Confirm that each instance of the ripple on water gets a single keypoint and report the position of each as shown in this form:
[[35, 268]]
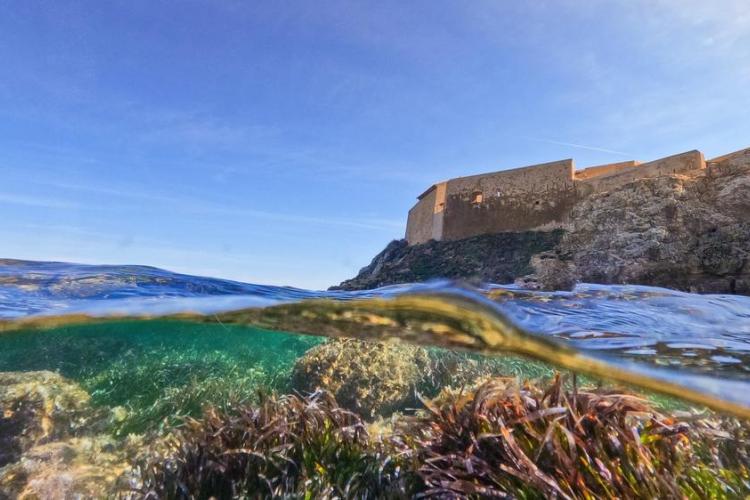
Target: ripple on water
[[698, 333]]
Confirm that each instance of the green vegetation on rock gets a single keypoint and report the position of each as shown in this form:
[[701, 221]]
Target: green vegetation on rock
[[157, 372]]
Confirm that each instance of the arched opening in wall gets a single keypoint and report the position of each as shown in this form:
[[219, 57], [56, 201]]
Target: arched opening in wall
[[477, 198]]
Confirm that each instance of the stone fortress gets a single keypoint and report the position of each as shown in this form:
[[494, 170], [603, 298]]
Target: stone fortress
[[535, 198]]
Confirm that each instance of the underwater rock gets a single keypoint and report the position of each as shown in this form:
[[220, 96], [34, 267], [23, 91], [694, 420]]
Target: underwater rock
[[368, 378], [82, 468], [38, 407]]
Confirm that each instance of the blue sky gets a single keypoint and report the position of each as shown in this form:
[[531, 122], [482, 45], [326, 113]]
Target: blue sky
[[283, 142]]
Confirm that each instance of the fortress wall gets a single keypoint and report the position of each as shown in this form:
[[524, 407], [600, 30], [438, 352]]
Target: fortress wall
[[438, 212], [513, 181], [728, 162], [419, 223], [539, 196], [425, 220], [676, 164], [605, 170]]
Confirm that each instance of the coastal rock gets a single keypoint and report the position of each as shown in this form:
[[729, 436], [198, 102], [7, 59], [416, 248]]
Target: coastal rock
[[686, 232], [495, 258], [551, 272], [38, 407], [368, 378]]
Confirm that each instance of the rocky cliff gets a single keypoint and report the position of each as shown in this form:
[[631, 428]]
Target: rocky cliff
[[491, 258], [682, 231], [685, 231]]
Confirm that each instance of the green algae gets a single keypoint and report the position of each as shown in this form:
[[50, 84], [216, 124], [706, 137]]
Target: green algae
[[157, 372]]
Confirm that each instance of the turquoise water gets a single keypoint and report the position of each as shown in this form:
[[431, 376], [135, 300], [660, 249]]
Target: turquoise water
[[149, 349]]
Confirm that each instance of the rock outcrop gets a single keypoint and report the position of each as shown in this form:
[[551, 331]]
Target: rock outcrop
[[85, 467], [490, 258], [688, 231], [681, 231], [36, 408], [52, 441], [368, 378]]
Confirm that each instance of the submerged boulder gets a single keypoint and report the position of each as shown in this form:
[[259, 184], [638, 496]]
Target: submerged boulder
[[62, 469], [38, 407], [369, 378], [86, 467]]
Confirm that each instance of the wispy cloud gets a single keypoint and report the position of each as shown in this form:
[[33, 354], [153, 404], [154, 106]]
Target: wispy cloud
[[363, 223], [36, 201], [189, 205], [194, 129], [578, 146]]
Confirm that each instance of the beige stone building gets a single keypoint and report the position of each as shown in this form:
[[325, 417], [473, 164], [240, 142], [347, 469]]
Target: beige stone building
[[537, 197]]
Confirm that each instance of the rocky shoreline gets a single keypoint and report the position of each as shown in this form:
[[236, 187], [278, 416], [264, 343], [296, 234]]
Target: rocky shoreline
[[495, 258], [688, 232]]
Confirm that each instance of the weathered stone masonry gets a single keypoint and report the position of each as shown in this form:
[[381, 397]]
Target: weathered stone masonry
[[537, 197]]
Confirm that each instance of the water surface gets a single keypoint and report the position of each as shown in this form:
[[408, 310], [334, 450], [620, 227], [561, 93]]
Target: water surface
[[152, 348]]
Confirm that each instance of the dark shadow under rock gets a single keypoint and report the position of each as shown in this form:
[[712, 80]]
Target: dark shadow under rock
[[38, 407]]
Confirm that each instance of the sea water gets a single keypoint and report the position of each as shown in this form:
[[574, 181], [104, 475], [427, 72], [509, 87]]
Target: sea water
[[133, 356]]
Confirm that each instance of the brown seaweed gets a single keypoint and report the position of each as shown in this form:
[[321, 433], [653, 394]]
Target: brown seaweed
[[507, 440], [500, 440], [287, 446]]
